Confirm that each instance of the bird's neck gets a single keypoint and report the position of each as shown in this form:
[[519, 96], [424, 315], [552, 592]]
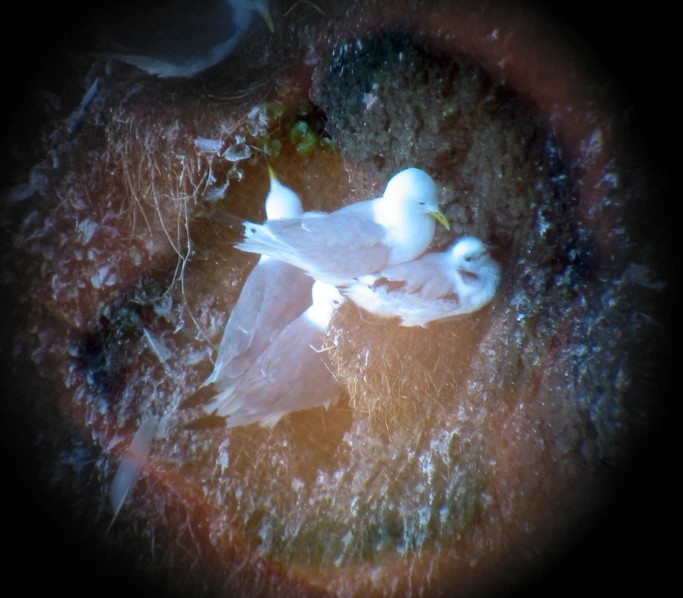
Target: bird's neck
[[319, 315], [408, 241], [484, 280]]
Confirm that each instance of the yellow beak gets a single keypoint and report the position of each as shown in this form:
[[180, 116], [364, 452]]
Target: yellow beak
[[440, 216], [267, 18]]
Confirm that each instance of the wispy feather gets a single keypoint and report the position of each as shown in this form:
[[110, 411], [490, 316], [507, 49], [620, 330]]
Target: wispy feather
[[129, 469]]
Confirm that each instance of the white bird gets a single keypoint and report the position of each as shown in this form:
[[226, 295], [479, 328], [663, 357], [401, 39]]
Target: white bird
[[180, 38], [290, 375], [359, 239], [436, 286], [274, 294]]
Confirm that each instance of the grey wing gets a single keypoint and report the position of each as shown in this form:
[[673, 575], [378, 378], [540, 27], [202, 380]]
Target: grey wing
[[208, 34], [344, 244], [427, 276], [417, 311], [289, 376], [274, 294]]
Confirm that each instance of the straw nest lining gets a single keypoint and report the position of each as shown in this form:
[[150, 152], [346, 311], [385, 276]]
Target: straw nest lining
[[400, 376]]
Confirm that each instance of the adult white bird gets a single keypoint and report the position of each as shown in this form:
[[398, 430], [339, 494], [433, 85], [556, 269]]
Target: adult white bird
[[436, 286], [274, 294], [180, 38], [359, 239], [290, 375]]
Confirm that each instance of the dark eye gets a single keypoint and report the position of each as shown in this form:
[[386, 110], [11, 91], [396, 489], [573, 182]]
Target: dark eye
[[468, 258], [422, 203]]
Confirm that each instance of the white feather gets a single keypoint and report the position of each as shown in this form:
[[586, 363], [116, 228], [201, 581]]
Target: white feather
[[129, 469]]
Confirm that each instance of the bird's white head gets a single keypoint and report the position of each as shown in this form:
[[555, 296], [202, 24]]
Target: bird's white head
[[281, 202], [414, 192], [476, 274], [326, 294], [326, 299], [469, 253]]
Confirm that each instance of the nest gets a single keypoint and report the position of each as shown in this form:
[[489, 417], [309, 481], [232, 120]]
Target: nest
[[401, 377]]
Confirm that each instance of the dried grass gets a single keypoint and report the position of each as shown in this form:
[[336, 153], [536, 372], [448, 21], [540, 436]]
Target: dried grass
[[400, 377]]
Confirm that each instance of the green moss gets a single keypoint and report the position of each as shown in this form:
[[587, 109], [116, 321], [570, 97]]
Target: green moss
[[308, 144], [329, 146], [273, 111], [271, 122], [271, 148], [298, 131]]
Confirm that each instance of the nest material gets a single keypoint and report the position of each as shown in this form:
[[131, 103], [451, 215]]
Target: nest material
[[401, 377]]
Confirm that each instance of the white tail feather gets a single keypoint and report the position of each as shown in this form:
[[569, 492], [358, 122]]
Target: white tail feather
[[129, 469]]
